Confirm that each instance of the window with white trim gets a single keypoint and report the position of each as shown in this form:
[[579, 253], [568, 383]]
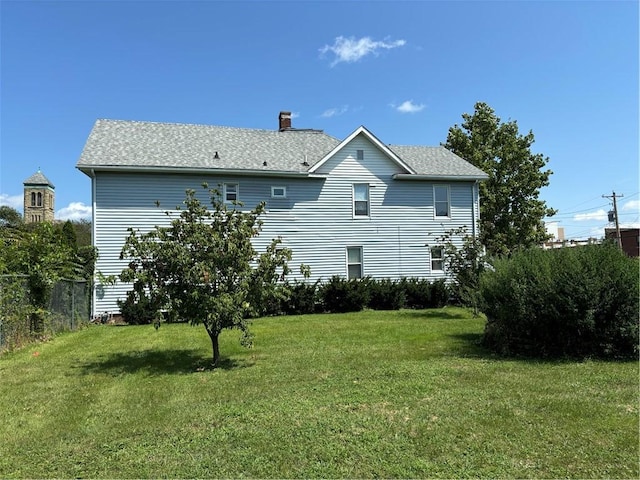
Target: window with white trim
[[354, 262], [231, 192], [278, 192], [361, 200], [359, 154], [437, 258], [441, 200]]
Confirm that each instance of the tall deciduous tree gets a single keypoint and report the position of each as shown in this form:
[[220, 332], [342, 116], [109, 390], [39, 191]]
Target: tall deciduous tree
[[203, 266], [511, 213]]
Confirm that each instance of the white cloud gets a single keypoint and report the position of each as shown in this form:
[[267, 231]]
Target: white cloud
[[13, 201], [334, 112], [598, 215], [633, 205], [74, 211], [409, 107], [352, 49]]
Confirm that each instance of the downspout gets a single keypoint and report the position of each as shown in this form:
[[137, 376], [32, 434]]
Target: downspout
[[475, 197], [93, 238]]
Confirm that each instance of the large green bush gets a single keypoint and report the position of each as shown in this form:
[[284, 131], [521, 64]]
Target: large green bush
[[340, 295], [576, 302]]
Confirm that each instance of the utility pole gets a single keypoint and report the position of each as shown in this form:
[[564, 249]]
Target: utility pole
[[615, 213]]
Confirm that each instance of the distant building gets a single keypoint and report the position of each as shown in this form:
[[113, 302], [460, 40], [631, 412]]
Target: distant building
[[630, 239], [39, 198], [553, 228]]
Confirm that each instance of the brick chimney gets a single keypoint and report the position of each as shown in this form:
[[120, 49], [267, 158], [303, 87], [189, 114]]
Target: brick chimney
[[284, 121]]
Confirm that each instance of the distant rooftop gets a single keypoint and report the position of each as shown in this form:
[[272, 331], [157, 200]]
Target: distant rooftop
[[38, 178]]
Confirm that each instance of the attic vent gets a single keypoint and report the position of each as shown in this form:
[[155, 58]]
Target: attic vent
[[264, 164], [216, 156]]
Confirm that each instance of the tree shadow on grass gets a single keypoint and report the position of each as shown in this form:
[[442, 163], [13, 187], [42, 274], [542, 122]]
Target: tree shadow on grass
[[157, 362]]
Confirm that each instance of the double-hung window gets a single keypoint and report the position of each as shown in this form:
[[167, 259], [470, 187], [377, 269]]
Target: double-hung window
[[441, 201], [231, 192], [354, 262], [437, 258], [360, 200]]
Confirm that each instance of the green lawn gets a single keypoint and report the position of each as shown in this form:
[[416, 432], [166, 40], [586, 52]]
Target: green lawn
[[372, 394]]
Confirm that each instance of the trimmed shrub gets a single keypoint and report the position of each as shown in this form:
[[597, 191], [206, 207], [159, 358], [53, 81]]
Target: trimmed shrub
[[303, 298], [440, 294], [340, 295], [137, 308], [573, 302], [417, 292], [386, 294]]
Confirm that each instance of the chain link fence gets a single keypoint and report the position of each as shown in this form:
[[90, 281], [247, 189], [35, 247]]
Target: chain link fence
[[21, 322]]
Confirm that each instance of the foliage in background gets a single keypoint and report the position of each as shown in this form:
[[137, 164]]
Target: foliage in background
[[511, 213], [203, 267], [577, 302]]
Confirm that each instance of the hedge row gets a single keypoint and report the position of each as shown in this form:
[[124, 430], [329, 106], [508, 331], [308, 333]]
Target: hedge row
[[576, 302], [339, 295], [336, 295]]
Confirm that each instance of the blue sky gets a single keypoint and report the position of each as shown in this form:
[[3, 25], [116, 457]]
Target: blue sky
[[568, 71]]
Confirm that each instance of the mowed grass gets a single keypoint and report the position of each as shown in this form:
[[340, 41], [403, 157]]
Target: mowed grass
[[371, 394]]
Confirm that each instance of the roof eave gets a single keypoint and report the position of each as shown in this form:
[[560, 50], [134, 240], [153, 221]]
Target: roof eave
[[89, 169], [436, 177]]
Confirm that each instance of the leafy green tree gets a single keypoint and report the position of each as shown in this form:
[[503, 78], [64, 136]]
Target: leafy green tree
[[511, 214], [465, 261], [9, 216], [41, 253], [204, 268]]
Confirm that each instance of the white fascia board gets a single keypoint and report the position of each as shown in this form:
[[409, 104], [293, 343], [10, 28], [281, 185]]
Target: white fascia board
[[89, 170], [372, 138], [460, 178]]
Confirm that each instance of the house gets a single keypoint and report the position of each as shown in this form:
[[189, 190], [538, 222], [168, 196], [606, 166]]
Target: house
[[353, 207]]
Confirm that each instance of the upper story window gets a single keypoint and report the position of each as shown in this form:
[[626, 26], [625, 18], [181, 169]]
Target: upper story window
[[359, 154], [441, 200], [437, 258], [231, 192], [278, 192], [361, 200], [39, 201], [354, 262], [33, 199]]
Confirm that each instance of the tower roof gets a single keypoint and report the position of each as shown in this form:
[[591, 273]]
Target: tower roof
[[38, 178]]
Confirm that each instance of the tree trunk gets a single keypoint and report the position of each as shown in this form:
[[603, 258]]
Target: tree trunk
[[216, 348]]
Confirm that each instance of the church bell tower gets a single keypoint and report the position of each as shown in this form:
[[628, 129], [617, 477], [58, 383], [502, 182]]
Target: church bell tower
[[39, 197]]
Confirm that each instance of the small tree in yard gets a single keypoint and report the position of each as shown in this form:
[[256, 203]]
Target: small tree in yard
[[465, 262], [204, 268]]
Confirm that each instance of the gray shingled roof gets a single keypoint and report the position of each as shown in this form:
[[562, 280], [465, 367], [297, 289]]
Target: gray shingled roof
[[436, 161], [38, 178], [146, 144], [118, 143]]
